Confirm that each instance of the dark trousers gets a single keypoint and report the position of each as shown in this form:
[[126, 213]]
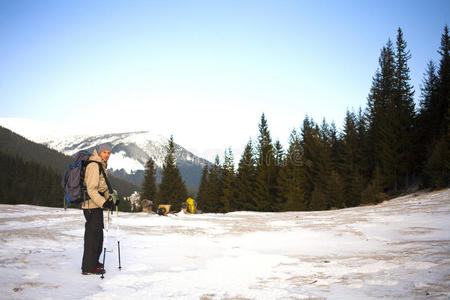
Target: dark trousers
[[93, 238]]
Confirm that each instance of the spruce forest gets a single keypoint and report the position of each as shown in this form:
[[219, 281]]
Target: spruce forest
[[28, 182], [390, 147]]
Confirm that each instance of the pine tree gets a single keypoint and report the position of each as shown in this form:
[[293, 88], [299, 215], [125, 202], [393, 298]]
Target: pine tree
[[380, 113], [437, 167], [265, 192], [291, 176], [391, 116], [351, 173], [328, 179], [228, 198], [428, 123], [405, 110], [310, 146], [172, 189], [278, 154], [279, 162], [246, 179], [336, 148], [201, 195], [429, 103], [364, 159], [444, 82], [148, 190], [316, 144], [213, 189]]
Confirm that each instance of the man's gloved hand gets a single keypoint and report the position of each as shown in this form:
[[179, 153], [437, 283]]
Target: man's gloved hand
[[109, 204]]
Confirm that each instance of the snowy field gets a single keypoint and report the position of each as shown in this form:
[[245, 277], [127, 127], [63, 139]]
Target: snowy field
[[398, 249]]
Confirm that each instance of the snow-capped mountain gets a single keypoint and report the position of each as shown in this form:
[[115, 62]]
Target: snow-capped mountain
[[130, 153]]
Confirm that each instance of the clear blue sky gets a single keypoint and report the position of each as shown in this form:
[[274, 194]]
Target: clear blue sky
[[203, 71]]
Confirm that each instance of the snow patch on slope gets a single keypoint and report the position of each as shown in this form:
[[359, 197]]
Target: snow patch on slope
[[119, 161]]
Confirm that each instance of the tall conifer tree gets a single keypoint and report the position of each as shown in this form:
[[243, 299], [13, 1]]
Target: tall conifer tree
[[172, 189], [228, 198], [351, 171], [444, 82], [279, 163], [148, 190], [291, 176], [213, 190], [427, 123], [364, 159], [404, 108], [246, 179], [328, 180], [201, 195], [265, 191], [437, 167], [310, 147], [380, 111]]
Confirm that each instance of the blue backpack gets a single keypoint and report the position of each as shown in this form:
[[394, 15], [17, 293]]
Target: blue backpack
[[75, 191]]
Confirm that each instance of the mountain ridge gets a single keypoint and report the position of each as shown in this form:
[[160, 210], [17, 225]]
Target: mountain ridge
[[131, 149], [17, 145]]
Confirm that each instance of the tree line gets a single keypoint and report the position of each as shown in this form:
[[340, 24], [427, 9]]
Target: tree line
[[27, 182], [380, 152], [26, 154]]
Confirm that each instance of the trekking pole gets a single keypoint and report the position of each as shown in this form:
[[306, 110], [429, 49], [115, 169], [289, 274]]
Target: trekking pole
[[118, 236], [104, 254], [105, 243]]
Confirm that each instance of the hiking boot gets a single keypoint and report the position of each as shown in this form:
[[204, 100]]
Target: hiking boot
[[96, 271]]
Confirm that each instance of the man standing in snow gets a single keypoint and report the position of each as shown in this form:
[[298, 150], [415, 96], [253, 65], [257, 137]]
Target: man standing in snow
[[99, 198]]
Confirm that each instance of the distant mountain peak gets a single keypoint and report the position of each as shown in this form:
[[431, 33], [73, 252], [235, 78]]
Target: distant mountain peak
[[130, 153]]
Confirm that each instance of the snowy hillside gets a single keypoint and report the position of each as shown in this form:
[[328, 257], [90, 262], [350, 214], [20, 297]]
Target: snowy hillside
[[130, 153], [398, 249], [131, 150]]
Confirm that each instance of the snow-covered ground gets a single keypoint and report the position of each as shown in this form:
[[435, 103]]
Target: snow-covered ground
[[398, 249]]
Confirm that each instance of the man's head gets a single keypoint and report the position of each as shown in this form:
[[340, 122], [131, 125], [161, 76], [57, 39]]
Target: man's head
[[104, 150]]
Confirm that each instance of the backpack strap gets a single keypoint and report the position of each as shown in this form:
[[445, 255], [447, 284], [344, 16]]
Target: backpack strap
[[102, 171], [110, 189]]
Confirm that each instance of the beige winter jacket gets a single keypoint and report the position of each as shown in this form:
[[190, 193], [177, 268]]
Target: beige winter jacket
[[95, 183]]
